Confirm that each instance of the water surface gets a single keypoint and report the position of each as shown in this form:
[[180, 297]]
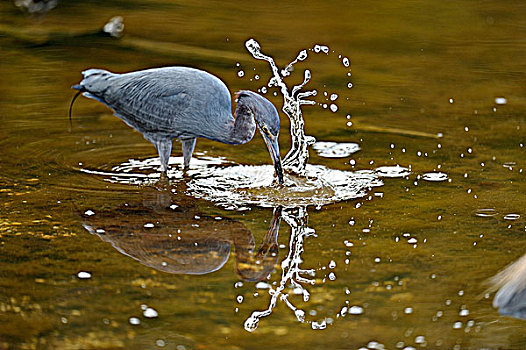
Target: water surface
[[434, 118]]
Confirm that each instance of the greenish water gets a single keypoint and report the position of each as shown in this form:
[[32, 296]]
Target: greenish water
[[420, 254]]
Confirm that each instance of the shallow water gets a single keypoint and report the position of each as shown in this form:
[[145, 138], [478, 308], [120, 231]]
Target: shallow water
[[433, 125]]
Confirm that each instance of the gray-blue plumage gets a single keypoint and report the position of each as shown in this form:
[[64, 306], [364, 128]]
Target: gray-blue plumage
[[184, 103]]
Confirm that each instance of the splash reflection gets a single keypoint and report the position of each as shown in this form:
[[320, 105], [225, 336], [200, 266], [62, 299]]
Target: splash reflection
[[292, 273], [295, 278]]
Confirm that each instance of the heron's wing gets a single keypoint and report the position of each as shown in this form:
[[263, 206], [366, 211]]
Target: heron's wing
[[167, 102], [150, 105]]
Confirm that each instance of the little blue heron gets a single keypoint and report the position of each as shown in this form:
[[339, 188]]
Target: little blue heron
[[183, 103]]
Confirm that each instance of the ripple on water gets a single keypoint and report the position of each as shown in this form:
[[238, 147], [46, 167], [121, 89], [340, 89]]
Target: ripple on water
[[511, 217], [435, 176], [486, 212], [392, 171], [146, 171], [335, 149]]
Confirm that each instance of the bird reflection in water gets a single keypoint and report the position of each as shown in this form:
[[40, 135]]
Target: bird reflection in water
[[510, 299], [169, 233]]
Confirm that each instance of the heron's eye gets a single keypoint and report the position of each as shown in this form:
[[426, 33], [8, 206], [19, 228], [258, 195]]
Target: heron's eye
[[265, 129]]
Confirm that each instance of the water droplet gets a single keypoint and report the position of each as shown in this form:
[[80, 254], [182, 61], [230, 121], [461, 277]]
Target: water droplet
[[239, 299], [84, 275], [240, 73], [343, 311], [302, 55], [298, 291], [134, 321], [319, 325], [375, 345], [149, 225], [89, 212], [457, 325], [332, 264], [334, 108], [262, 285], [464, 312], [334, 97], [150, 313], [300, 315], [349, 85], [346, 62], [355, 310], [252, 322], [408, 310], [451, 100], [420, 339], [501, 100]]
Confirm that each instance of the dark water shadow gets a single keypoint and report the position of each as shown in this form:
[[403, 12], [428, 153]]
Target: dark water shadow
[[165, 230]]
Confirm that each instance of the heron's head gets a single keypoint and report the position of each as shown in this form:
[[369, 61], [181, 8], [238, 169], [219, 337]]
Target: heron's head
[[267, 120]]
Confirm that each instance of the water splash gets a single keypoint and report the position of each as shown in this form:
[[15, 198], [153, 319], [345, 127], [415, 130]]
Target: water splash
[[297, 158], [233, 187]]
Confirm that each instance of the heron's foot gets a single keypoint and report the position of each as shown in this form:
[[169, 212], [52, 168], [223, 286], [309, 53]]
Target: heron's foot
[[164, 182], [277, 182], [186, 176]]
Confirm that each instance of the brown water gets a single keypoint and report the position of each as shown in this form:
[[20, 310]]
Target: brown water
[[408, 260]]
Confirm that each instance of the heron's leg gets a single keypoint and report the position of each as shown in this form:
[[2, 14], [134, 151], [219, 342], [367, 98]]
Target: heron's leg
[[188, 149], [164, 148]]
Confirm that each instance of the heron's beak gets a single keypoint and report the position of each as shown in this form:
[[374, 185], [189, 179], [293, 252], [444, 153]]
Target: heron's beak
[[273, 149]]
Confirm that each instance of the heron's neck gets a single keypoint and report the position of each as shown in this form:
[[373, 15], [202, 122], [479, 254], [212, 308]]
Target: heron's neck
[[243, 128]]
